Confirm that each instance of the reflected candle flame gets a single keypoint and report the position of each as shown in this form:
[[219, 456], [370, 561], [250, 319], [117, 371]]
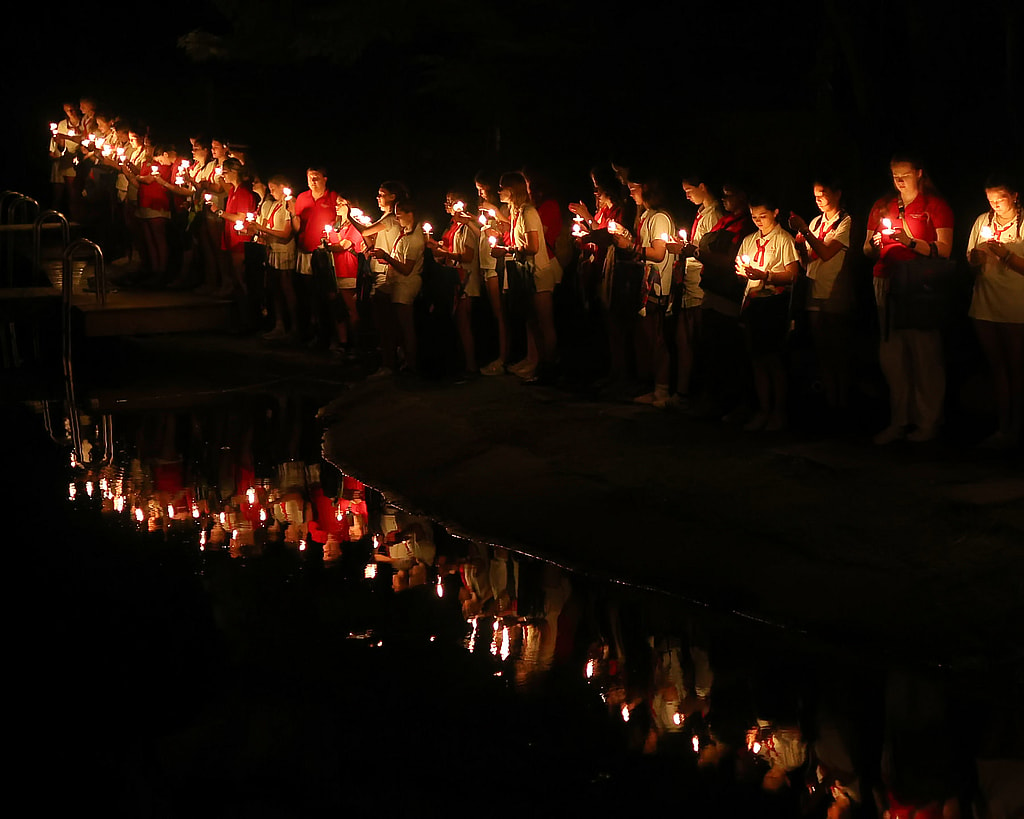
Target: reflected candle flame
[[195, 510], [506, 647], [370, 571], [88, 488], [72, 491], [440, 587], [170, 511], [591, 668], [756, 747], [263, 515], [677, 719], [625, 713], [696, 745], [139, 515], [250, 493]]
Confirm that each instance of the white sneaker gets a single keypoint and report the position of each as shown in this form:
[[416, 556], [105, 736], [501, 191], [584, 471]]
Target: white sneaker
[[890, 434]]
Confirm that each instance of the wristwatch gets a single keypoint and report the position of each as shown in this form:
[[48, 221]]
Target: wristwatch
[[912, 245]]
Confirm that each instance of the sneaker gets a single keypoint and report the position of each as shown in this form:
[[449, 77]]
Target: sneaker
[[527, 373], [383, 372], [922, 435], [890, 434], [999, 441], [757, 423], [496, 367], [277, 334]]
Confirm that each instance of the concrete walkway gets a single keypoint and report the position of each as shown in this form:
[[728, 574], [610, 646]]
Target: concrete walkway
[[915, 549]]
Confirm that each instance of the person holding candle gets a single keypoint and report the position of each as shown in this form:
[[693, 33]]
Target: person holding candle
[[649, 244], [384, 233], [526, 245], [273, 228], [825, 243], [63, 153], [345, 242], [315, 208], [404, 261], [204, 251], [769, 262], [996, 251], [459, 247], [154, 211], [911, 359], [491, 269], [686, 273], [593, 244], [240, 202]]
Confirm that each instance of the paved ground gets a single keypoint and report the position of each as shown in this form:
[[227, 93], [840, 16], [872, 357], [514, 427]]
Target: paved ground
[[914, 548]]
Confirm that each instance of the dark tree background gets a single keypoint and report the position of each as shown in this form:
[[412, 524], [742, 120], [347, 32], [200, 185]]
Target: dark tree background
[[432, 91]]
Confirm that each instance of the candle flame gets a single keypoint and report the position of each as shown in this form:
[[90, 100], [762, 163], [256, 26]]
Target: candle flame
[[302, 545], [119, 503], [987, 233], [482, 219], [664, 237], [208, 197], [505, 644], [250, 493], [250, 217], [458, 207], [239, 225], [613, 227], [492, 240], [745, 259], [223, 518], [682, 234], [427, 227]]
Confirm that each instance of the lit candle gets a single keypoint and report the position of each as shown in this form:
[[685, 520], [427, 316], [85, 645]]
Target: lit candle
[[664, 237], [887, 227], [154, 169], [613, 227], [987, 234], [677, 719], [440, 587], [482, 219], [88, 488], [328, 229], [250, 493], [589, 673], [287, 194], [179, 180], [458, 207], [250, 217], [625, 713], [239, 225], [578, 218], [744, 260], [195, 511], [139, 515], [756, 747], [107, 151], [492, 240], [208, 197], [370, 571], [682, 235], [427, 227], [120, 153], [218, 171], [184, 164], [53, 127], [263, 515]]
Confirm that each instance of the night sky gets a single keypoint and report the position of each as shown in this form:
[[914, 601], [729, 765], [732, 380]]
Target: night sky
[[432, 92]]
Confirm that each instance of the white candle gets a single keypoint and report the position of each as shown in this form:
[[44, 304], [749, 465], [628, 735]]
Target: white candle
[[179, 180], [482, 219], [154, 169], [328, 229], [458, 207], [744, 260], [239, 225], [250, 217], [53, 127], [613, 227], [184, 164], [492, 240], [682, 235], [218, 171], [427, 227], [887, 227], [287, 194], [664, 237], [987, 234], [207, 197]]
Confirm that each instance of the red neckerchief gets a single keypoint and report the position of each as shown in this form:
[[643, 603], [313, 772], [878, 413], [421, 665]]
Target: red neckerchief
[[693, 227], [394, 247], [998, 231], [824, 231], [762, 250], [269, 221], [448, 239]]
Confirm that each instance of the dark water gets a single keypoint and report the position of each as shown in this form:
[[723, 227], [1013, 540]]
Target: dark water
[[214, 620]]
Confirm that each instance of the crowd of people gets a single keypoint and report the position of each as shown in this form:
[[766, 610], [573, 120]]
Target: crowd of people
[[701, 313]]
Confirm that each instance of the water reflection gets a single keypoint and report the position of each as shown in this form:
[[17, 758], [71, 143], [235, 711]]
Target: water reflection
[[638, 696]]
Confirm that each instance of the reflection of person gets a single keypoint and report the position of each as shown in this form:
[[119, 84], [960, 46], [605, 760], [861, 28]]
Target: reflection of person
[[922, 227], [996, 250]]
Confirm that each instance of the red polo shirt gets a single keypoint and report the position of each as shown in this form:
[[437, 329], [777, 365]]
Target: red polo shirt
[[313, 215], [922, 218]]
